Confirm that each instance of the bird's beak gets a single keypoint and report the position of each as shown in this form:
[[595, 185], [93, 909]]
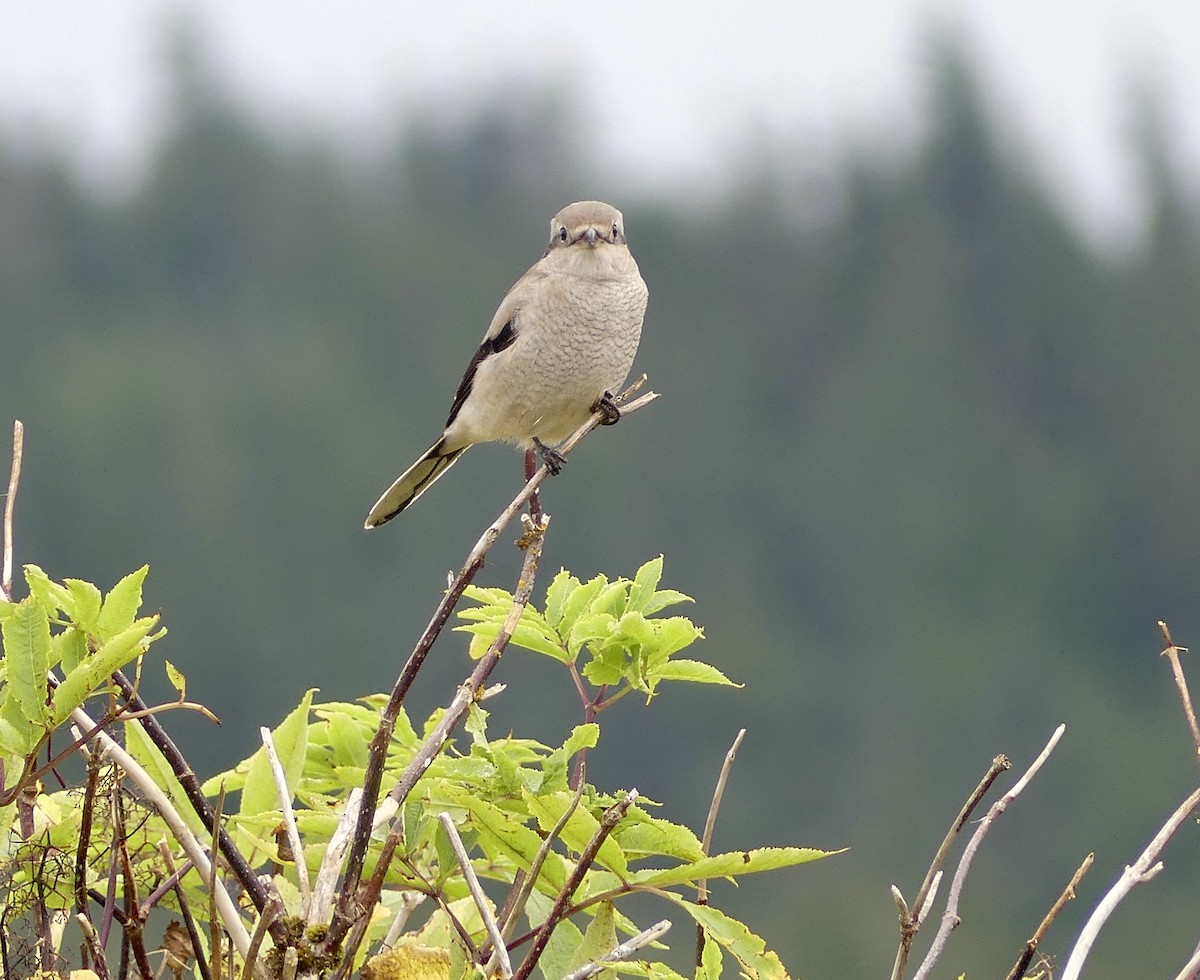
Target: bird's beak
[[590, 235]]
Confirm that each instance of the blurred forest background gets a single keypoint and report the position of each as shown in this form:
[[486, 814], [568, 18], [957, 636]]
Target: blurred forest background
[[926, 457]]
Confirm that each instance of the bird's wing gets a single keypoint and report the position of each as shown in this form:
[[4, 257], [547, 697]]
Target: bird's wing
[[500, 335]]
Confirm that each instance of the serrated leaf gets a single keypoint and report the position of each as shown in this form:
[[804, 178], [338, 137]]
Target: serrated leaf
[[730, 865], [26, 634], [675, 633], [556, 595], [666, 597], [710, 962], [85, 599], [643, 836], [121, 604], [644, 583], [67, 649], [580, 827], [694, 671], [78, 685], [578, 602], [49, 594], [611, 599], [757, 962], [291, 745]]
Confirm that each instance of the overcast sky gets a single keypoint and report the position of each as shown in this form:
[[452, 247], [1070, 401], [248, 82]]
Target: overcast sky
[[668, 89]]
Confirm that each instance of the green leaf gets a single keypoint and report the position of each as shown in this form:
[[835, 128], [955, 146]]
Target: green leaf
[[675, 633], [643, 836], [581, 826], [730, 865], [26, 634], [85, 600], [555, 961], [121, 604], [666, 597], [291, 745], [177, 679], [68, 649], [556, 595], [578, 602], [757, 962], [710, 962], [79, 684], [644, 583], [690, 670], [47, 592], [599, 939]]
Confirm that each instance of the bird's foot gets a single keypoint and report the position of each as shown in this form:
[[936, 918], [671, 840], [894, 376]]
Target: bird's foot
[[551, 458], [608, 409]]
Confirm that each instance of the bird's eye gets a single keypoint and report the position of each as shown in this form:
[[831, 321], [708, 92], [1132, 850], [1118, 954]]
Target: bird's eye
[[562, 234], [616, 230]]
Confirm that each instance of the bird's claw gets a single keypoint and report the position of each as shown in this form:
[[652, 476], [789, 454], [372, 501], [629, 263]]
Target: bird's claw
[[608, 409], [552, 459]]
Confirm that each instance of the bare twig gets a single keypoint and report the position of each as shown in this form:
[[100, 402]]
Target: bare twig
[[1172, 653], [408, 901], [1143, 869], [612, 816], [910, 924], [10, 502], [257, 891], [228, 912], [464, 697], [622, 952], [185, 910], [950, 918], [250, 964], [1191, 969], [706, 842], [289, 817], [481, 900], [1031, 945], [346, 912]]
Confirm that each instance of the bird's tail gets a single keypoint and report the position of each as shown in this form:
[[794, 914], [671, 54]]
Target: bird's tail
[[413, 482]]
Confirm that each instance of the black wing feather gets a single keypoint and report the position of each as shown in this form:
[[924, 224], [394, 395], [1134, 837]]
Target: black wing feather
[[493, 345]]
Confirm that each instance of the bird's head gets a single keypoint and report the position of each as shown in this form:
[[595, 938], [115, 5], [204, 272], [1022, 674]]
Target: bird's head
[[586, 225]]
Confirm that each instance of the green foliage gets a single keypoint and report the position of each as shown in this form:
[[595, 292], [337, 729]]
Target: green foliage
[[93, 637], [606, 623]]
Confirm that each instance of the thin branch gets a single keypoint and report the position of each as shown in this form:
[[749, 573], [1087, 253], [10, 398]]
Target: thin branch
[[10, 502], [706, 842], [185, 910], [347, 912], [289, 817], [910, 924], [622, 952], [1191, 969], [1031, 945], [1172, 653], [464, 697], [950, 918], [481, 900], [254, 887], [612, 816], [86, 814], [408, 902], [260, 933], [229, 917], [1143, 869]]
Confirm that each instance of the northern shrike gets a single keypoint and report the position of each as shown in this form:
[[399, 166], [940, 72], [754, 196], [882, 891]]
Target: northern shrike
[[561, 342]]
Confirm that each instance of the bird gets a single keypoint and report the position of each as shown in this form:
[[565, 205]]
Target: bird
[[561, 342]]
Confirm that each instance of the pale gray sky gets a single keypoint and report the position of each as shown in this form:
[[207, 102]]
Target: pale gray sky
[[668, 88]]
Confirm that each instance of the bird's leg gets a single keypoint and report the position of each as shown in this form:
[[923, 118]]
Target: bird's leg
[[551, 457], [535, 502], [608, 408]]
